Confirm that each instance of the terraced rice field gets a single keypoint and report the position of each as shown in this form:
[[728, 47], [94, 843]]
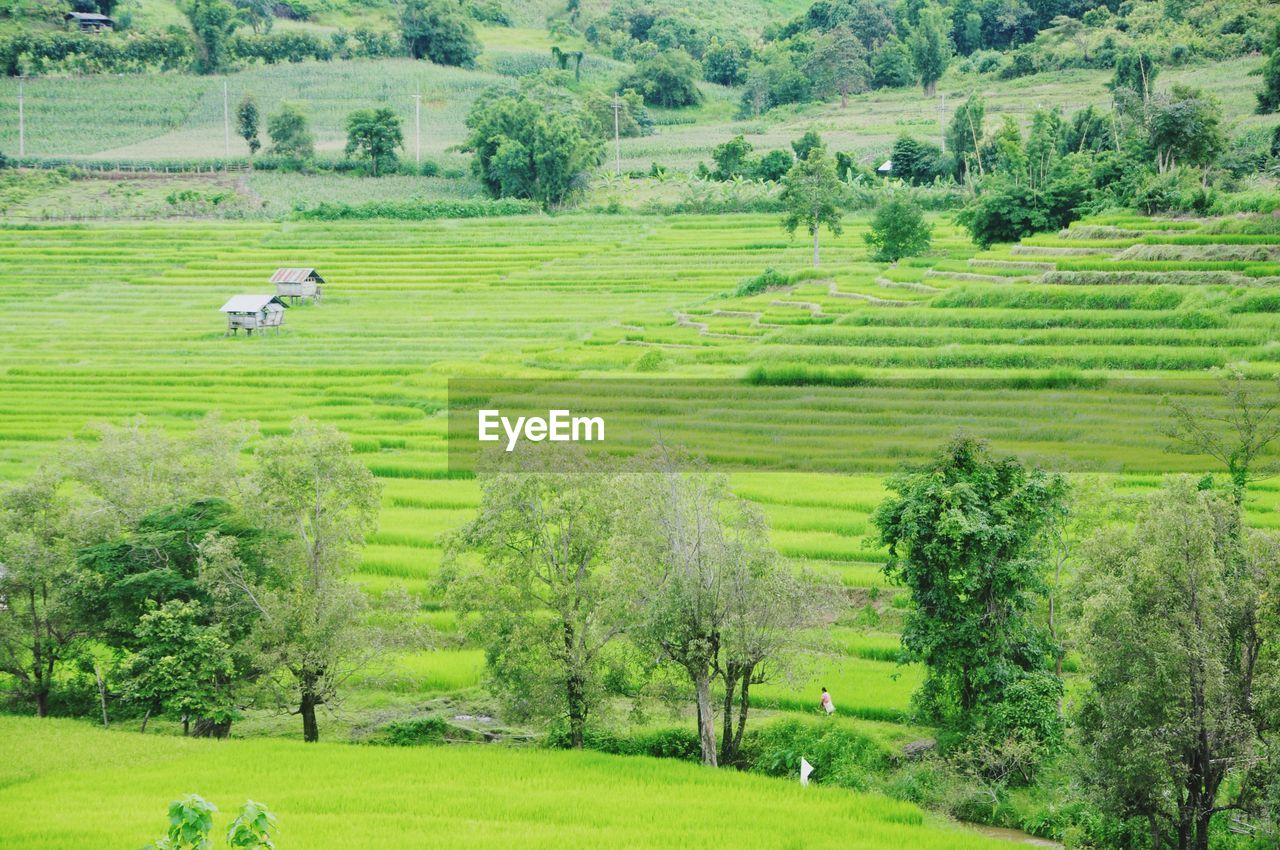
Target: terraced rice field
[[1058, 349]]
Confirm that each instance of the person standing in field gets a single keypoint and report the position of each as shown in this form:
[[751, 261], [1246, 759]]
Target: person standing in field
[[827, 705]]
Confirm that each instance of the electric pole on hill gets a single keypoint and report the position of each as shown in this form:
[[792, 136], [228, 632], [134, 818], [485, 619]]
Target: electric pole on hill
[[417, 128], [226, 122], [617, 149], [22, 121], [942, 122]]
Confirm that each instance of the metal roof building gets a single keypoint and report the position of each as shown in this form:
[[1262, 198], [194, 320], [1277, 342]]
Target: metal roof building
[[253, 312], [297, 283]]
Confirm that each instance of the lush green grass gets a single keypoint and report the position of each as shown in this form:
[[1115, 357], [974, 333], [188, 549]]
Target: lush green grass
[[64, 785]]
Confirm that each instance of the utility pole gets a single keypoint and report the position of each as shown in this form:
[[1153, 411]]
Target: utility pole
[[617, 148], [22, 121], [942, 121], [226, 121], [417, 127]]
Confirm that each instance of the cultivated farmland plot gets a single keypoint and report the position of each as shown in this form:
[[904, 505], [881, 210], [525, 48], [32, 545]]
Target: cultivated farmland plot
[[1058, 349]]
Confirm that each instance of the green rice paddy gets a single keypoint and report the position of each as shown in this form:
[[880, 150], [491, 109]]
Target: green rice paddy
[[1059, 349]]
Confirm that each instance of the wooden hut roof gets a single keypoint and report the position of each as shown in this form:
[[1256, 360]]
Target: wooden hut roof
[[250, 303], [295, 276], [87, 17]]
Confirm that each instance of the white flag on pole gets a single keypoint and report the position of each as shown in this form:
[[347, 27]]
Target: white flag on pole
[[805, 770]]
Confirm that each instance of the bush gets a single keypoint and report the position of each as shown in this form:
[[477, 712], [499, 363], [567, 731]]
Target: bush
[[917, 162], [668, 79], [774, 165], [1178, 190], [676, 743], [768, 279], [731, 158], [898, 230], [414, 733], [272, 48], [839, 755]]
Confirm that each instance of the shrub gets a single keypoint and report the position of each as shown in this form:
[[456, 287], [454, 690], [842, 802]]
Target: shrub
[[839, 755], [917, 162], [768, 279], [898, 230], [731, 158], [676, 743], [414, 733], [774, 165], [1004, 212], [1176, 191]]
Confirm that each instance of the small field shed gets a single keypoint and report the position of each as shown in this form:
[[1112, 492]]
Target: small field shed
[[253, 313], [90, 21], [298, 283]]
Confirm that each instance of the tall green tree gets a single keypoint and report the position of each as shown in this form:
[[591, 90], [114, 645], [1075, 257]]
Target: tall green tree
[[181, 664], [1269, 94], [1168, 613], [213, 22], [439, 31], [374, 135], [811, 195], [539, 592], [838, 65], [39, 631], [931, 47], [1236, 429], [668, 79], [527, 147], [164, 558], [964, 537], [684, 548], [1185, 128], [247, 120], [1136, 72], [965, 136], [322, 503], [290, 133], [898, 230]]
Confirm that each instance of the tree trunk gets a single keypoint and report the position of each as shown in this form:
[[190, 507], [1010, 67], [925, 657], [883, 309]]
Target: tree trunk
[[727, 755], [744, 704], [577, 710], [931, 88], [145, 718], [844, 98], [310, 729], [102, 693], [42, 700], [815, 243], [706, 716], [308, 683]]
